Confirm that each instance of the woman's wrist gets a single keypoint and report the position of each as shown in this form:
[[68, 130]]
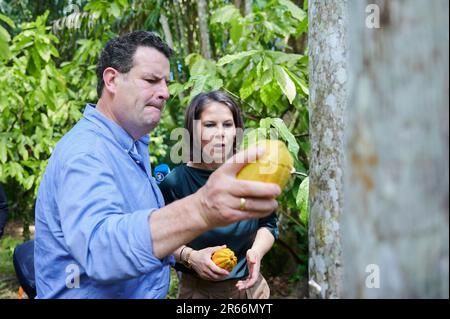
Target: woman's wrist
[[185, 256]]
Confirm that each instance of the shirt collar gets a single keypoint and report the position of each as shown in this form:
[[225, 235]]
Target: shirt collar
[[119, 134]]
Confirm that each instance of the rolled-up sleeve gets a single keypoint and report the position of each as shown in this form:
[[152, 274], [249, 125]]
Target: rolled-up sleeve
[[108, 241], [271, 223]]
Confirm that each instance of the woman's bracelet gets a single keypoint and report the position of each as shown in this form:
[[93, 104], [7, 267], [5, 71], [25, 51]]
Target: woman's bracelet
[[187, 262], [181, 253]]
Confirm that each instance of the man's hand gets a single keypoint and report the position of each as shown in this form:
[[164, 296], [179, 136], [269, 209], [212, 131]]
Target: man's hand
[[215, 204], [220, 199]]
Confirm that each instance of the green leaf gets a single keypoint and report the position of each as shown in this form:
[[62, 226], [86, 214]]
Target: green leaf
[[267, 64], [237, 67], [5, 53], [16, 171], [199, 86], [296, 12], [285, 83], [281, 57], [236, 30], [247, 89], [225, 14], [4, 35], [201, 66], [3, 148], [54, 51], [269, 94], [123, 3], [44, 120], [283, 130], [7, 20], [28, 182], [265, 123], [176, 88], [22, 151], [232, 57], [22, 43], [303, 26], [300, 82], [43, 51], [214, 84], [115, 10], [191, 58], [267, 77], [302, 201]]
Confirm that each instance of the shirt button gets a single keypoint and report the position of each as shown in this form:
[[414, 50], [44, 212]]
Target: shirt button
[[138, 162]]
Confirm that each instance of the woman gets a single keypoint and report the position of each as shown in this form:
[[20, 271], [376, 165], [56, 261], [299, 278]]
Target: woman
[[213, 120]]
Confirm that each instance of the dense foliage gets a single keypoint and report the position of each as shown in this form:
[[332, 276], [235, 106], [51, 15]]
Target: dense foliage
[[47, 74]]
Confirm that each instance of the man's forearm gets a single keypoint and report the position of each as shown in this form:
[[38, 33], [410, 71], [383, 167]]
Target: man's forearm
[[175, 225]]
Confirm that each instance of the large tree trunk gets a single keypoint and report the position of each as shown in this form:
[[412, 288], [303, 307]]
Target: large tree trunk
[[204, 32], [395, 224], [328, 98]]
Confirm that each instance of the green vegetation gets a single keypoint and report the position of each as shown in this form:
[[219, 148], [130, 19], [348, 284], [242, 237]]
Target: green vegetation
[[47, 74]]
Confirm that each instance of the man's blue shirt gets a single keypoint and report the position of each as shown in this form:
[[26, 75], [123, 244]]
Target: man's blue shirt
[[92, 233]]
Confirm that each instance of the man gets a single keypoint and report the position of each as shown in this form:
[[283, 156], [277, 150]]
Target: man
[[102, 230]]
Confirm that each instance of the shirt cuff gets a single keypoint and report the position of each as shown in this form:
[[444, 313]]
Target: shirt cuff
[[142, 243]]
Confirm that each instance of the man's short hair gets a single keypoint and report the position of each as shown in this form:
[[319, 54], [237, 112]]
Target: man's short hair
[[118, 53]]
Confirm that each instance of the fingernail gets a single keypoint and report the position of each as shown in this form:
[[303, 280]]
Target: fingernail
[[277, 190]]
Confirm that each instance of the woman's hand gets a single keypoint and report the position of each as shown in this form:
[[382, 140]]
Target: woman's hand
[[254, 264], [204, 266]]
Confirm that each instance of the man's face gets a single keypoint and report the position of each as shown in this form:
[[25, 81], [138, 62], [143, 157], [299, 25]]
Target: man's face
[[141, 93]]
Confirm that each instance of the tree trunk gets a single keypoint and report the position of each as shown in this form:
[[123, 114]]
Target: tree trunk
[[395, 226], [192, 26], [181, 27], [328, 98], [166, 29], [248, 7], [204, 33], [238, 4]]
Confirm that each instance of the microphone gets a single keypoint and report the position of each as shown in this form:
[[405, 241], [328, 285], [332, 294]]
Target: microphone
[[160, 172]]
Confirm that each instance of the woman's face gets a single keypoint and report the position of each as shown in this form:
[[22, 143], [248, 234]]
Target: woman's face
[[217, 132]]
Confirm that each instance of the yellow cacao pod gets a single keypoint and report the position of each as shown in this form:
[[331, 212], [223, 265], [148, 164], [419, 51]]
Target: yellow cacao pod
[[225, 259], [274, 166]]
